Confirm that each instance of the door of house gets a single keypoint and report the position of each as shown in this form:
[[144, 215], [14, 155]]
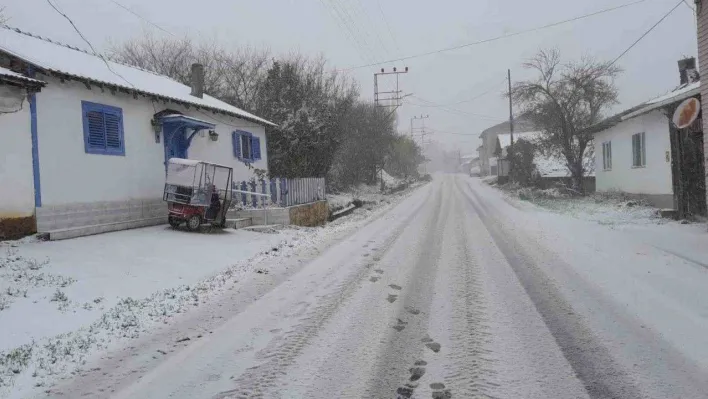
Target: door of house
[[176, 142]]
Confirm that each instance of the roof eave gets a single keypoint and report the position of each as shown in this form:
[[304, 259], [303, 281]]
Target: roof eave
[[26, 82], [661, 104]]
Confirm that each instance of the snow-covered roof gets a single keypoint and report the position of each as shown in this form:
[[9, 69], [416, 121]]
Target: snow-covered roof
[[680, 94], [550, 166], [70, 61], [14, 76], [505, 138]]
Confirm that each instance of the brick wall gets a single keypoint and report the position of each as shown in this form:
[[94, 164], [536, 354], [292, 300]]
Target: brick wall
[[702, 9]]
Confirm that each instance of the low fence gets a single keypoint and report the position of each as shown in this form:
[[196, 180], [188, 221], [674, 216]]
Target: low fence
[[280, 191]]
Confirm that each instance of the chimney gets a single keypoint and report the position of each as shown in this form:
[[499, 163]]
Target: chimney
[[198, 80], [687, 70]]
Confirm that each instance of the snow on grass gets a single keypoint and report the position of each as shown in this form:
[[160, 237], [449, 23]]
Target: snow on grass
[[123, 284], [62, 300], [602, 208]]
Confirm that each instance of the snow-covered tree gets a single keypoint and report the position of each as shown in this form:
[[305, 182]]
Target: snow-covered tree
[[563, 102]]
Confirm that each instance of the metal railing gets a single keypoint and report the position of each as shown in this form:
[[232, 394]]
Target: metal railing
[[282, 192], [265, 211]]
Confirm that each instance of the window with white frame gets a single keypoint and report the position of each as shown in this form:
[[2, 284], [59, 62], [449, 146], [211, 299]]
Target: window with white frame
[[639, 152], [607, 155]]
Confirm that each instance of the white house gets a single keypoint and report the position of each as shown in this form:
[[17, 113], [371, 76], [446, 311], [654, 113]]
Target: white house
[[640, 152], [16, 188], [101, 133]]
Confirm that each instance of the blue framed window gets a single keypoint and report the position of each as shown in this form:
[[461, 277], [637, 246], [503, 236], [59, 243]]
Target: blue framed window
[[246, 146], [103, 129]]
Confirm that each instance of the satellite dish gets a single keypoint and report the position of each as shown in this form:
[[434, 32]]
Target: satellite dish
[[686, 113]]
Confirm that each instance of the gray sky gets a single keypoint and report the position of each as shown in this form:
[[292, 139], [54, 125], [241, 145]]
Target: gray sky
[[326, 27]]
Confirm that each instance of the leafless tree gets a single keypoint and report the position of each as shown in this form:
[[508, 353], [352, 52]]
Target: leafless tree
[[3, 18], [564, 101]]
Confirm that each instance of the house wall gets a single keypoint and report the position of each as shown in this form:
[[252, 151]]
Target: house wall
[[16, 180], [652, 181], [702, 23], [80, 187]]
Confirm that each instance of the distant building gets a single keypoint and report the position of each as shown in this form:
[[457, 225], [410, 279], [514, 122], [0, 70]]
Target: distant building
[[487, 159], [640, 151], [100, 134]]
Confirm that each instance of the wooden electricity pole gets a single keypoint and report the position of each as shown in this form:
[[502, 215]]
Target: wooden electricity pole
[[511, 125]]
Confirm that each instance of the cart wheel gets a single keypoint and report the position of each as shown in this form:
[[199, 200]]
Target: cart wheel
[[174, 222], [194, 222]]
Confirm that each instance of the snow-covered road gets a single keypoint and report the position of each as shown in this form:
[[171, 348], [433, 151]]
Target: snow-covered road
[[453, 293]]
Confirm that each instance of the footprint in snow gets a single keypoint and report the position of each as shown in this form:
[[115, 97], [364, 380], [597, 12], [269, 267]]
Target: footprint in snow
[[392, 298], [412, 310], [401, 325], [395, 287]]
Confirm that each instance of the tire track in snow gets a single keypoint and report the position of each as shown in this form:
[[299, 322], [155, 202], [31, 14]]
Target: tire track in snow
[[590, 360], [469, 372], [263, 379]]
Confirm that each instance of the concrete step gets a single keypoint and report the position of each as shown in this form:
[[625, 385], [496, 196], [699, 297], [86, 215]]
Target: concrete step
[[239, 223], [81, 231]]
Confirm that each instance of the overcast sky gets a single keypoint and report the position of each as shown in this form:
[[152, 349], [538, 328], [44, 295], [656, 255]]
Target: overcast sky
[[354, 32]]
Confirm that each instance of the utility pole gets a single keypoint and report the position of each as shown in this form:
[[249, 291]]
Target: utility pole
[[395, 95], [511, 123], [422, 118]]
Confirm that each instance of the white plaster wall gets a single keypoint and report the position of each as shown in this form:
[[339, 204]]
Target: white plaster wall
[[655, 177], [16, 180], [221, 151], [69, 175]]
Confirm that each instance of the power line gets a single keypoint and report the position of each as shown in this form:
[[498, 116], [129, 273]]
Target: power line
[[645, 33], [96, 53], [455, 110], [689, 6], [374, 29], [505, 36], [388, 26], [467, 100], [141, 17]]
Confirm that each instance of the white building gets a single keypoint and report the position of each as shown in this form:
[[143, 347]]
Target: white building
[[16, 187], [102, 132], [640, 152]]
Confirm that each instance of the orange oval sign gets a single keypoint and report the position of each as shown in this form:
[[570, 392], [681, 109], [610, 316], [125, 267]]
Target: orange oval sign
[[686, 113]]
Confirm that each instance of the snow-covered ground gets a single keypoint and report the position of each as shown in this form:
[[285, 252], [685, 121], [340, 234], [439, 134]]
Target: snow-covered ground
[[90, 295], [455, 291]]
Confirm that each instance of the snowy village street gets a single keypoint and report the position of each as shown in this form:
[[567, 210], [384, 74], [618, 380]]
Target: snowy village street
[[454, 292]]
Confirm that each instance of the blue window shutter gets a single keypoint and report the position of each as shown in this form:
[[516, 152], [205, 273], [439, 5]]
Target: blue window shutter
[[256, 145], [103, 129], [95, 130], [114, 134], [236, 143]]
